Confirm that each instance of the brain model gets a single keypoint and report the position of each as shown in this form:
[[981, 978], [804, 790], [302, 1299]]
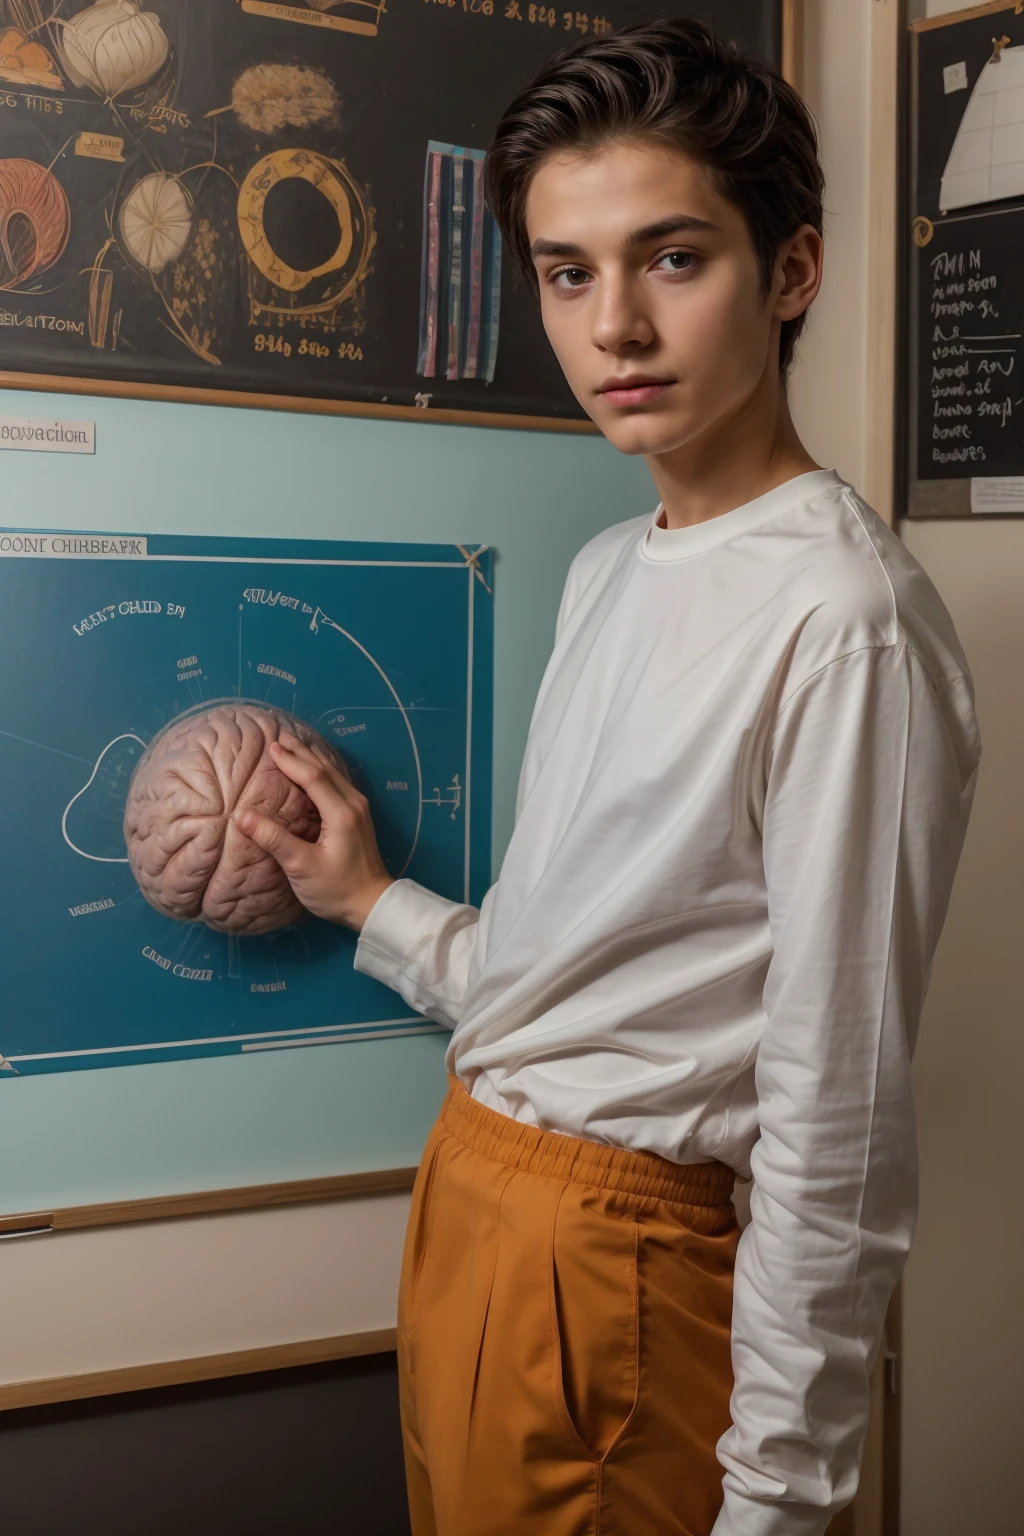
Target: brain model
[[189, 858]]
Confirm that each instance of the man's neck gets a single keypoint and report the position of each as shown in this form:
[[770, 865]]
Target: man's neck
[[733, 463]]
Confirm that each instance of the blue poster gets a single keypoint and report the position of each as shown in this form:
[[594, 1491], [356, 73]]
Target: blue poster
[[385, 650]]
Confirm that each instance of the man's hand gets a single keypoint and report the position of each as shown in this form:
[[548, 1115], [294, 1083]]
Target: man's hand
[[341, 875]]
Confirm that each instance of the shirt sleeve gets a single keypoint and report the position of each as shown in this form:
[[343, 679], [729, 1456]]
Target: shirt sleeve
[[422, 945], [868, 791]]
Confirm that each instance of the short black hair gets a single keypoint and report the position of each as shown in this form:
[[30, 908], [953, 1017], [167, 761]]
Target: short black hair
[[679, 83]]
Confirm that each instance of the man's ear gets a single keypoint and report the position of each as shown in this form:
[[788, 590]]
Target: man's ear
[[798, 271]]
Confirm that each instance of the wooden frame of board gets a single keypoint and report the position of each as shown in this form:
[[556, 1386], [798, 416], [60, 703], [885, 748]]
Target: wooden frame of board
[[969, 13], [207, 1202], [182, 1373], [792, 42]]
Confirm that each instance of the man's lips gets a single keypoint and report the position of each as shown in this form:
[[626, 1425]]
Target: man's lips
[[634, 389]]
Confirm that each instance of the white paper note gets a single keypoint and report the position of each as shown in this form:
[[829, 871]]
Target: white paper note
[[998, 493], [41, 434], [986, 162], [954, 77]]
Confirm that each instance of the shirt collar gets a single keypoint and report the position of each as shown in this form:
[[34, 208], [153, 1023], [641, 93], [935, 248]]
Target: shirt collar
[[682, 543]]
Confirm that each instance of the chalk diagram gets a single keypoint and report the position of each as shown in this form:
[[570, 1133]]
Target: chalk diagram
[[384, 649], [986, 163], [191, 201]]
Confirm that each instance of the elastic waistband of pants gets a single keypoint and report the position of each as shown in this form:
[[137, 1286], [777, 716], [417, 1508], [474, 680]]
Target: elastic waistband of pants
[[578, 1161]]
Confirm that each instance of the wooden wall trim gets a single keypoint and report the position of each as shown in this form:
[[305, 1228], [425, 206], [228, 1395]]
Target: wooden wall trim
[[892, 1423], [301, 404], [793, 42], [929, 23], [887, 26], [174, 1373], [208, 1202]]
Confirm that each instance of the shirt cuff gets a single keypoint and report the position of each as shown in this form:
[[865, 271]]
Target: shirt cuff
[[402, 919], [740, 1516]]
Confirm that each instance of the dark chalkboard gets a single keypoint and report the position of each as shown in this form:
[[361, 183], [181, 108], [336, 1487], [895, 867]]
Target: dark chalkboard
[[235, 196], [966, 243]]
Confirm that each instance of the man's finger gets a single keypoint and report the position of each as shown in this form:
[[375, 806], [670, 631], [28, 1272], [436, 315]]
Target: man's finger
[[330, 759], [321, 781], [314, 752], [292, 743], [291, 852]]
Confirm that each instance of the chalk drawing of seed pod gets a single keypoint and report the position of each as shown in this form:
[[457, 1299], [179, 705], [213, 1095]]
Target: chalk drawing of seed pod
[[156, 221], [35, 220], [114, 46]]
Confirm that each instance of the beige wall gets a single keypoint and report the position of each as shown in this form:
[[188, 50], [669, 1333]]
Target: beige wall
[[828, 386], [964, 1339]]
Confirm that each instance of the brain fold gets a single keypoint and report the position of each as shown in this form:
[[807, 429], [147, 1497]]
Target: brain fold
[[189, 858]]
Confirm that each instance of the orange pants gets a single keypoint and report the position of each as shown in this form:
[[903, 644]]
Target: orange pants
[[563, 1334]]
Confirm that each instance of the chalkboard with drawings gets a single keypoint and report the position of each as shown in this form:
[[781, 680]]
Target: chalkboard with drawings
[[965, 238], [280, 199]]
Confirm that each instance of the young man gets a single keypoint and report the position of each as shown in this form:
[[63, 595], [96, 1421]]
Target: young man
[[744, 796]]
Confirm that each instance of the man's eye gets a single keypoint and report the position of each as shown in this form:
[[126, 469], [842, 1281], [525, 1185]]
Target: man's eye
[[677, 261], [571, 277]]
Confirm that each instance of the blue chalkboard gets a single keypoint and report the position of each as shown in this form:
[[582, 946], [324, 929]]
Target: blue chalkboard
[[386, 649]]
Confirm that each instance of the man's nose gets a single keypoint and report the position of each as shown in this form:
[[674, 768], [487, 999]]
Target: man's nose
[[620, 318]]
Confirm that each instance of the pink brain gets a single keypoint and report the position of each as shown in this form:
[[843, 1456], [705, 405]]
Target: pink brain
[[190, 860]]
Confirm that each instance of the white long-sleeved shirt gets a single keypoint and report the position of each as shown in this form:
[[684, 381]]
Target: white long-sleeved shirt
[[743, 799]]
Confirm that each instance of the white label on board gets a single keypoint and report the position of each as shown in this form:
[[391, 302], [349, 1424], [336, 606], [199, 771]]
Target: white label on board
[[954, 77], [73, 546], [998, 493], [41, 434]]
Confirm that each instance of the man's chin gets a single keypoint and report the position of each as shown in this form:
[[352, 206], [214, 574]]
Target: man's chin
[[644, 433]]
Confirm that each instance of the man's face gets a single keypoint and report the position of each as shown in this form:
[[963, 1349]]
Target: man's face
[[650, 293]]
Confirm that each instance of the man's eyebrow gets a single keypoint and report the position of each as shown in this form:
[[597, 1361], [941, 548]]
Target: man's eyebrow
[[555, 248], [674, 224]]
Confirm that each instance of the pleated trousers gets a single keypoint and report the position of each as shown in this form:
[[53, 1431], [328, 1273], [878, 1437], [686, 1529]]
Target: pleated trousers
[[563, 1334]]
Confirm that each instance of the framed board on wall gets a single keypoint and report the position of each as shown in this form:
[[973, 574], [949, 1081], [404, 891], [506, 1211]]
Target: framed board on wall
[[142, 638], [280, 202], [965, 351]]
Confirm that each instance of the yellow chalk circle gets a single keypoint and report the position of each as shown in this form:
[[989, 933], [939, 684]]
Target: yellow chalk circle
[[282, 165]]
